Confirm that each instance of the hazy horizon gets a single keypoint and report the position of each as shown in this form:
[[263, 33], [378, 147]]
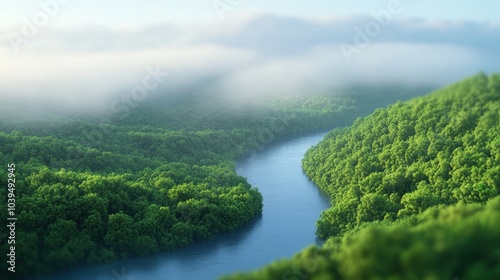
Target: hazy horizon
[[82, 55]]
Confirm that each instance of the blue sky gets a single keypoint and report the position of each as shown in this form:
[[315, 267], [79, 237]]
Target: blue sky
[[129, 13], [90, 51]]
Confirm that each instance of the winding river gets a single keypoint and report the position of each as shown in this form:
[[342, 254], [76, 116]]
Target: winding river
[[292, 205]]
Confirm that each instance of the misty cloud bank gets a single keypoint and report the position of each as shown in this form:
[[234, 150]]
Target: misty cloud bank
[[262, 55]]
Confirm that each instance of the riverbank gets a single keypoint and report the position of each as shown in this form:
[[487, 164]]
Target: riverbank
[[292, 205]]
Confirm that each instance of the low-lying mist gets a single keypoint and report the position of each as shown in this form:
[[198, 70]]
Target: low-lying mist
[[103, 71]]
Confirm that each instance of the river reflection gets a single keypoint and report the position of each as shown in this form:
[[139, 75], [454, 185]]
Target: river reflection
[[292, 205]]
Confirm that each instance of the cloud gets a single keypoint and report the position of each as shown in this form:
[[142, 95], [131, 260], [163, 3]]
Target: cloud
[[90, 67]]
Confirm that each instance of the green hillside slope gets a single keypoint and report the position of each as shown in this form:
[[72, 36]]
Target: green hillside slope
[[408, 186], [439, 149]]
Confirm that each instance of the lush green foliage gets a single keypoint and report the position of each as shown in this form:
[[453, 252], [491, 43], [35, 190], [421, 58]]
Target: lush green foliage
[[454, 242], [408, 186], [155, 179], [439, 149]]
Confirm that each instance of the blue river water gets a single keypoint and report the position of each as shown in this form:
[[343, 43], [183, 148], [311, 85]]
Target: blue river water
[[292, 204]]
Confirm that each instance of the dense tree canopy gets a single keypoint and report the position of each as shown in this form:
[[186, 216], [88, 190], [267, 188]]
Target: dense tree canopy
[[159, 178], [439, 149], [414, 192], [455, 242]]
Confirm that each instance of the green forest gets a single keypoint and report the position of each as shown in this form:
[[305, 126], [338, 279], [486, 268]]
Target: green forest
[[95, 189], [414, 190]]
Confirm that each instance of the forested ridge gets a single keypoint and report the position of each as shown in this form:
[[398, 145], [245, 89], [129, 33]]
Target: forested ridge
[[440, 149], [155, 179], [414, 190]]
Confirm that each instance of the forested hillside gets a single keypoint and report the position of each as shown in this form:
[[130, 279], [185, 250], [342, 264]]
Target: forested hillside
[[440, 149], [455, 242], [414, 192], [155, 179]]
